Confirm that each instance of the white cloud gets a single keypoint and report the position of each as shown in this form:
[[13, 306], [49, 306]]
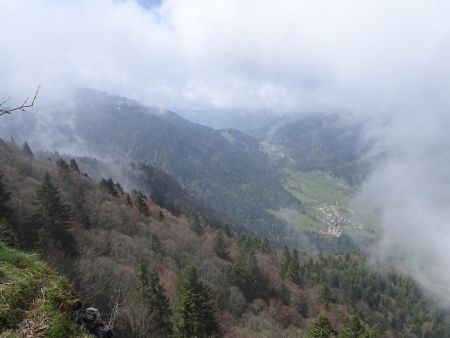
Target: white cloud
[[282, 55]]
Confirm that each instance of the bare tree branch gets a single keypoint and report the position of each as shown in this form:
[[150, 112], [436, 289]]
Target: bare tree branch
[[23, 106]]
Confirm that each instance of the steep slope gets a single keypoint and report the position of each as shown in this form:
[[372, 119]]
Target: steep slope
[[225, 169], [257, 290], [35, 301], [326, 142]]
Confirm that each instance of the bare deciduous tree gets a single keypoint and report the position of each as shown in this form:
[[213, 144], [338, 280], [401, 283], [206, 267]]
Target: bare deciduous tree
[[8, 110]]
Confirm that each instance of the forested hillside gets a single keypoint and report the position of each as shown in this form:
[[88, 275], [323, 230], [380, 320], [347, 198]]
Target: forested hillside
[[155, 273], [326, 142], [226, 170]]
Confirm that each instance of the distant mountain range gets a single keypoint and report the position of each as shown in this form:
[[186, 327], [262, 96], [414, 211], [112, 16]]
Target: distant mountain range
[[326, 142], [240, 175]]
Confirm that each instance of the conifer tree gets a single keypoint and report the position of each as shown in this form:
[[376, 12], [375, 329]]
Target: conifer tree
[[5, 196], [265, 245], [220, 246], [74, 165], [64, 170], [109, 186], [53, 219], [285, 262], [7, 232], [354, 328], [140, 204], [160, 215], [246, 273], [127, 199], [293, 271], [61, 164], [320, 328], [156, 244], [326, 295], [156, 304], [194, 313], [118, 188], [194, 220], [27, 150]]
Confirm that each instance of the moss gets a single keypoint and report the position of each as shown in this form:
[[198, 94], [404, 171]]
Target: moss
[[34, 298]]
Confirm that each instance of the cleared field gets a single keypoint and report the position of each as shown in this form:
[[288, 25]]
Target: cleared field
[[318, 187], [297, 218], [315, 190]]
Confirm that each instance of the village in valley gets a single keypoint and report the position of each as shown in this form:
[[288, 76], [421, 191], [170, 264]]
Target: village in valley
[[337, 218]]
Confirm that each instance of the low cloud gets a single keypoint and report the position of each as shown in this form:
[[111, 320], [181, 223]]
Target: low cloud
[[373, 56]]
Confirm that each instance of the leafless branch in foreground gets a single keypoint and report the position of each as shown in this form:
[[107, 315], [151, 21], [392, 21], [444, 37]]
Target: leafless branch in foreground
[[8, 110]]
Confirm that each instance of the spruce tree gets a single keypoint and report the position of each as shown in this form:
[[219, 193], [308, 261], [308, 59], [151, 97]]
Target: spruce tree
[[53, 219], [285, 262], [5, 196], [27, 150], [355, 328], [156, 244], [320, 328], [74, 165], [127, 199], [246, 273], [326, 295], [293, 272], [8, 234], [62, 165], [194, 220], [265, 246], [221, 247], [140, 204], [64, 170], [119, 188], [109, 186], [156, 304], [194, 313]]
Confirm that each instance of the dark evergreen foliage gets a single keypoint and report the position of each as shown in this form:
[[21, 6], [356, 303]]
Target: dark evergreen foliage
[[320, 328], [52, 219], [139, 201], [8, 234], [160, 215], [194, 313], [5, 196], [289, 265], [398, 299], [246, 274], [27, 150], [74, 165], [221, 247], [109, 186], [158, 313]]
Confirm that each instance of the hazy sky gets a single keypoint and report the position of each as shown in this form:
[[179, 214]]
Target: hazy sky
[[251, 54]]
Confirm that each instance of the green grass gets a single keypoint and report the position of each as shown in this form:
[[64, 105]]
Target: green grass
[[297, 218], [314, 189], [318, 187], [33, 298]]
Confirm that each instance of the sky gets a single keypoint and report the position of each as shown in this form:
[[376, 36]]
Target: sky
[[287, 55], [384, 60]]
